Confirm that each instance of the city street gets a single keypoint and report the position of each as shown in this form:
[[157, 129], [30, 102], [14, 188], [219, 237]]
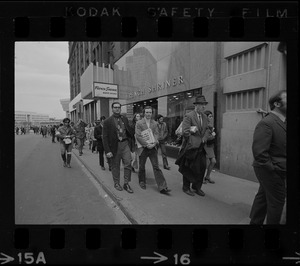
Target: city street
[[48, 193]]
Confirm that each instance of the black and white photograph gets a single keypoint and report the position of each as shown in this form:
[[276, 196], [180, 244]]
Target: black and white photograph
[[150, 133]]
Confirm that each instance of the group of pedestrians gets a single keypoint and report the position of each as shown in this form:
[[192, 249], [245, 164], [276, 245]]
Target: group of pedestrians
[[118, 141]]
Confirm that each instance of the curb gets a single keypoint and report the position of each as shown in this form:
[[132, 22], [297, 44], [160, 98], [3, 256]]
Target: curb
[[115, 198]]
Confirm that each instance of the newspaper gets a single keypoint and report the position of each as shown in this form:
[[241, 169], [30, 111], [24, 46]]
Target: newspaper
[[147, 135]]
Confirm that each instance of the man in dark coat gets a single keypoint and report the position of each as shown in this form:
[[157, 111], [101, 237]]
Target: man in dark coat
[[98, 136], [192, 156], [117, 142], [269, 152]]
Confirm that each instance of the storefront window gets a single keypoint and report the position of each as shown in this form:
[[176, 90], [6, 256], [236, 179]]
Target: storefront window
[[178, 105]]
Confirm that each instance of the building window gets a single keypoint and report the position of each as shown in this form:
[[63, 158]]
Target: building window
[[247, 61], [246, 100]]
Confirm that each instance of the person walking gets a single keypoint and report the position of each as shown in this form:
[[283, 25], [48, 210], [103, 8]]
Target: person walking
[[192, 155], [53, 129], [269, 152], [80, 134], [146, 132], [117, 138], [162, 136], [209, 149], [66, 134], [135, 160], [91, 137], [44, 131], [98, 136]]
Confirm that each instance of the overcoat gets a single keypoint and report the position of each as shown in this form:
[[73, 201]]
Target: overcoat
[[269, 144], [191, 159]]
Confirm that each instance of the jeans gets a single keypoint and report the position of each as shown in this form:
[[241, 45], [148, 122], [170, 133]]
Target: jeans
[[159, 177], [123, 154]]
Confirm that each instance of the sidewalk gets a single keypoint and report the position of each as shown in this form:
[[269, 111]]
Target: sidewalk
[[228, 201]]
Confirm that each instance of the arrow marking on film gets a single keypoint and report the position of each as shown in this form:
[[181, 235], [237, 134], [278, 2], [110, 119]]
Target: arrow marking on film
[[293, 258], [6, 258], [159, 259]]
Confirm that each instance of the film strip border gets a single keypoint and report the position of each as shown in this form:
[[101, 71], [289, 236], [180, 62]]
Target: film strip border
[[144, 21], [147, 244], [151, 21]]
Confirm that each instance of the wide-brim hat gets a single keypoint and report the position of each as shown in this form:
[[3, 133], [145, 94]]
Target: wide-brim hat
[[200, 99], [66, 120]]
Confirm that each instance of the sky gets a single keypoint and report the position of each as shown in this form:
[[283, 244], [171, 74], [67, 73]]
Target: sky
[[41, 77]]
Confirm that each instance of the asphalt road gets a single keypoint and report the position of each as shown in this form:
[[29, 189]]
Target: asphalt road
[[48, 193]]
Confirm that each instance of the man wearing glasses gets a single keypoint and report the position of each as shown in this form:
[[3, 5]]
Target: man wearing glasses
[[117, 139], [66, 134]]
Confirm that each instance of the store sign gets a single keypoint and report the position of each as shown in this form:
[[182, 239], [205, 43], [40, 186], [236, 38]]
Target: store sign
[[105, 90], [159, 86]]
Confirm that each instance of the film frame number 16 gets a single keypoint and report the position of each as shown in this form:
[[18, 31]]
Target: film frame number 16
[[184, 259]]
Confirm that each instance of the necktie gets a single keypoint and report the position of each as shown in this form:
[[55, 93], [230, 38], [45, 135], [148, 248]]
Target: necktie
[[120, 130], [200, 120]]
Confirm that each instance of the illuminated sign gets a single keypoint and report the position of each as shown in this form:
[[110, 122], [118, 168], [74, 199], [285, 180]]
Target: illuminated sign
[[105, 90]]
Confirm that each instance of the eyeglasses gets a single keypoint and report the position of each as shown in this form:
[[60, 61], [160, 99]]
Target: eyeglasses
[[117, 107]]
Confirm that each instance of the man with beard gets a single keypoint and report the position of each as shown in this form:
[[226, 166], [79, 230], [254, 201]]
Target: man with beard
[[269, 152], [117, 140]]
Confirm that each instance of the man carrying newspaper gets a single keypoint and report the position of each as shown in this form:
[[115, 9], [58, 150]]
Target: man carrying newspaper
[[146, 131]]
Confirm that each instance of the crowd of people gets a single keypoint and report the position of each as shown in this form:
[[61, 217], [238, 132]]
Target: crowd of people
[[116, 140]]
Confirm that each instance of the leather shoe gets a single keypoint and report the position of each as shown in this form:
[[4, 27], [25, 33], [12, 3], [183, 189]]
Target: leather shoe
[[165, 191], [118, 187], [142, 185], [189, 192], [167, 167], [127, 188], [200, 192], [209, 180]]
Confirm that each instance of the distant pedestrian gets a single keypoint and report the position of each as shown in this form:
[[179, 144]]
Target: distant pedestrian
[[98, 134], [162, 137], [209, 148], [192, 156], [269, 152], [17, 130], [66, 135], [135, 160], [53, 129], [91, 138], [44, 131], [146, 132], [80, 134], [117, 138]]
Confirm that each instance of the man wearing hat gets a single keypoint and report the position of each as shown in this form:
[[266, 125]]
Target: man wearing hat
[[66, 135], [192, 156]]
